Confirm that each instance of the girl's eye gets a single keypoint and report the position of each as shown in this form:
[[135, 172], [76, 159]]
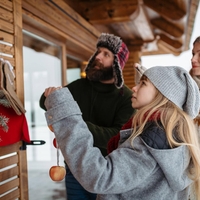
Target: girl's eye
[[143, 83]]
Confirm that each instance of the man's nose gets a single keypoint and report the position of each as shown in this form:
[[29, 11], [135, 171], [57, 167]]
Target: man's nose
[[99, 56]]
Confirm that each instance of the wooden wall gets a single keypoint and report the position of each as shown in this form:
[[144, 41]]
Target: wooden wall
[[11, 40], [13, 163]]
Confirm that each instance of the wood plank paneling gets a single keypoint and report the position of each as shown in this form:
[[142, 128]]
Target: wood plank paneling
[[6, 174], [10, 149], [10, 160], [6, 5], [6, 15], [58, 18], [6, 49], [6, 26], [12, 195], [13, 172], [9, 185], [6, 37]]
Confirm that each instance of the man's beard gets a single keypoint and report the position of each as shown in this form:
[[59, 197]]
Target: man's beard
[[99, 74]]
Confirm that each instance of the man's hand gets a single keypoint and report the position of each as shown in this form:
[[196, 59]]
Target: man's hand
[[49, 90]]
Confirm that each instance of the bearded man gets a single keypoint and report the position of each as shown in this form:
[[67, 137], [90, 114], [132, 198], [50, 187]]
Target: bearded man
[[104, 100]]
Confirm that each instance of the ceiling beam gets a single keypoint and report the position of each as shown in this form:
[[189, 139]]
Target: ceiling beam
[[168, 27], [169, 41], [105, 11], [172, 9]]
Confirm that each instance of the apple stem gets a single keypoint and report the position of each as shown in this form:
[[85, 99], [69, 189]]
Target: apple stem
[[57, 156]]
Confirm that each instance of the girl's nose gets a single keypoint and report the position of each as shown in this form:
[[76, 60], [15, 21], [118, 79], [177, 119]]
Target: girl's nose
[[194, 59], [134, 89]]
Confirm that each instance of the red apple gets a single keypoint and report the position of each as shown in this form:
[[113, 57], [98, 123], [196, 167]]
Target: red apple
[[55, 143], [57, 173]]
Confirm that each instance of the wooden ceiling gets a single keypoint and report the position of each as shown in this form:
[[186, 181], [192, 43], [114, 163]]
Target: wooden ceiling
[[149, 26], [157, 26]]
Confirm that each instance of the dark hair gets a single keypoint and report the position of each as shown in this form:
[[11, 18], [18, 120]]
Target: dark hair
[[196, 40]]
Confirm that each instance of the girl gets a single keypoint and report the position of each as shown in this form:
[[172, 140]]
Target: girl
[[195, 71], [195, 61], [157, 159]]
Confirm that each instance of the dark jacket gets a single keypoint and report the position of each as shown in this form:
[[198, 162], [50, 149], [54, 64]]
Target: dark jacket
[[105, 108]]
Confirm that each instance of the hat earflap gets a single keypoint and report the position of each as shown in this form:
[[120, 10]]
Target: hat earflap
[[117, 73], [90, 61]]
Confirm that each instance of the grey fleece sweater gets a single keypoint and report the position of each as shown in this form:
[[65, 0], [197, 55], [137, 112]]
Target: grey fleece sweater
[[138, 173]]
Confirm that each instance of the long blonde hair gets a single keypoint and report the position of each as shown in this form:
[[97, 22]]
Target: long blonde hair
[[172, 118]]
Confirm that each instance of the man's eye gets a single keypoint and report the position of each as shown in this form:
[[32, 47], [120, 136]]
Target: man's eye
[[106, 54]]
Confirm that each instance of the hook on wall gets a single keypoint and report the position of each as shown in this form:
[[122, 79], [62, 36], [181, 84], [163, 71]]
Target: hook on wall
[[1, 38]]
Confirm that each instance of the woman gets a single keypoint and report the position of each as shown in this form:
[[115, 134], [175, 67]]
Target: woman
[[156, 159], [195, 71]]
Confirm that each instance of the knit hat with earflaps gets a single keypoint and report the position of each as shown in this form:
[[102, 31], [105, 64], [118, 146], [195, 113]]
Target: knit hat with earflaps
[[121, 54], [176, 84]]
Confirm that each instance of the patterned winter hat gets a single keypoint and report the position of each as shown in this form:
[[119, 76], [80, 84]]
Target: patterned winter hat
[[121, 54], [177, 85]]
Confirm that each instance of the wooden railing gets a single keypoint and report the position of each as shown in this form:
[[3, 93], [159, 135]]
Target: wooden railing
[[13, 172]]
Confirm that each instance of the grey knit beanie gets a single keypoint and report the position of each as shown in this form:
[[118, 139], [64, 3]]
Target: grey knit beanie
[[176, 84], [120, 52]]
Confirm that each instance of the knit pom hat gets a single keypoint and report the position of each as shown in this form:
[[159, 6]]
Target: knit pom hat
[[176, 84], [139, 70], [121, 54]]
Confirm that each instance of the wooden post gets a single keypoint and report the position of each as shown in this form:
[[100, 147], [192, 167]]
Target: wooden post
[[64, 64], [129, 72], [18, 46], [13, 172], [23, 173]]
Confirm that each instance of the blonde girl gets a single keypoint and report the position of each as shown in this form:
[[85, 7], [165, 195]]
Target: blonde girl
[[157, 159]]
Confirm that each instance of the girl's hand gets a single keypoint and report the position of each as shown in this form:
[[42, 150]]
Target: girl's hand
[[49, 90]]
